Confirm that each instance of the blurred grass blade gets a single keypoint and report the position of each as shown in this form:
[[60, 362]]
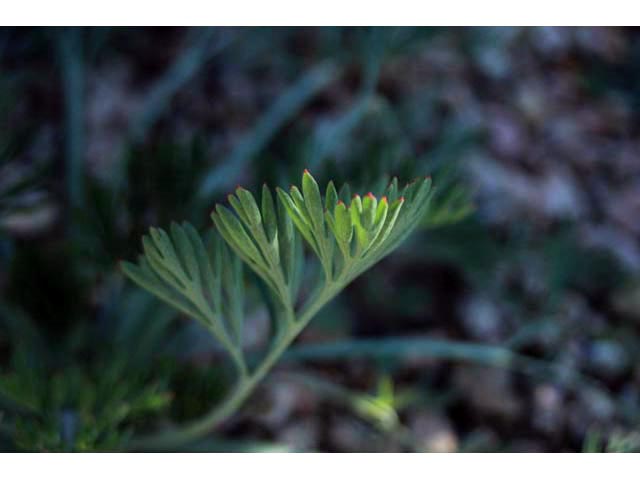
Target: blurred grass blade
[[411, 347], [69, 42], [201, 46], [404, 347], [285, 108]]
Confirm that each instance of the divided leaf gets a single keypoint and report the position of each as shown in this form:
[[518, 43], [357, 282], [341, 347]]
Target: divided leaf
[[206, 281], [364, 232], [263, 239], [181, 271]]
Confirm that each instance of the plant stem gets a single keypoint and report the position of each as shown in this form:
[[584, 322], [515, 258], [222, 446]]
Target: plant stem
[[220, 412]]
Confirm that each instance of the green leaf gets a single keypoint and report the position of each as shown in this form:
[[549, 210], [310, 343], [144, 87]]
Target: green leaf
[[205, 279], [238, 208], [185, 253], [344, 226], [178, 270], [162, 268], [234, 233], [250, 207], [362, 236], [269, 214], [253, 223], [144, 276], [389, 223], [380, 218], [300, 204], [331, 197], [286, 243], [369, 207], [298, 218], [211, 281], [164, 253], [313, 202]]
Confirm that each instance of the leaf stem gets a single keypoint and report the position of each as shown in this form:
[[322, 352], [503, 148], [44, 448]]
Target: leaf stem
[[245, 386]]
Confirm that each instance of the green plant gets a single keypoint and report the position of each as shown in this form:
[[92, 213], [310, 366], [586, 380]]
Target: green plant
[[51, 402], [204, 278]]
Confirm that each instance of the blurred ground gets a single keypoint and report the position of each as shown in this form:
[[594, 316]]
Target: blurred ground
[[104, 132]]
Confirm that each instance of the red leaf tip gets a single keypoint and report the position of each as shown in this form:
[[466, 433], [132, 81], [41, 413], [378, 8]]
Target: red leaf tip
[[306, 170], [371, 196]]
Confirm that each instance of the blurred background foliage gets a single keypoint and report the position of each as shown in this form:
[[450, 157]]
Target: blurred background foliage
[[511, 322]]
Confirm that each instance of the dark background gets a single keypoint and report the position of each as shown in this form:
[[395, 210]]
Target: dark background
[[510, 322]]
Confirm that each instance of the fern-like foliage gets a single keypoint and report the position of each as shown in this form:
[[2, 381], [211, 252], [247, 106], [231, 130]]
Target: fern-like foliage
[[204, 278]]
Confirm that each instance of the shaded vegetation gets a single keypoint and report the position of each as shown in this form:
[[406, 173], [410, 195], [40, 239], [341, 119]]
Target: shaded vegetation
[[509, 322]]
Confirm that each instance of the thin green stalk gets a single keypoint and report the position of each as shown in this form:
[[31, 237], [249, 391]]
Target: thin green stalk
[[220, 412]]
